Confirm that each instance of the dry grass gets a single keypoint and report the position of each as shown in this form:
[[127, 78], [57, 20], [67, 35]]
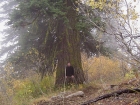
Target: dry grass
[[102, 69], [99, 72]]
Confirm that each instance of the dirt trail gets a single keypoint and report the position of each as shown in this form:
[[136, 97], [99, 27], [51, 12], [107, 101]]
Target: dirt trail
[[91, 93]]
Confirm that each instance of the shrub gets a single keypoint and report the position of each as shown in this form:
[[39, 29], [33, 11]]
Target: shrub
[[22, 91], [101, 69]]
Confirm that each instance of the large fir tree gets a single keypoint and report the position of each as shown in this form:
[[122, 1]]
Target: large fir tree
[[55, 29]]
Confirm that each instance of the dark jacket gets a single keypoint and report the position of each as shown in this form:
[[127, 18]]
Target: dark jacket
[[69, 71]]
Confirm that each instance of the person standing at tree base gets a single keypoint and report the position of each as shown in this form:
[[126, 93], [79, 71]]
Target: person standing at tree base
[[69, 74]]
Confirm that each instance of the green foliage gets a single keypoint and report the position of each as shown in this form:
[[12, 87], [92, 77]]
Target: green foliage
[[27, 89], [30, 88], [82, 24], [38, 26], [131, 74], [15, 91], [33, 9]]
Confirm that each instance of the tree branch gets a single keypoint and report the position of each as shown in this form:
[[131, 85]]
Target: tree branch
[[116, 93]]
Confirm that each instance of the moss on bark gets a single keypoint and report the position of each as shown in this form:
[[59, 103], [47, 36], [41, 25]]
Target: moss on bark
[[70, 47]]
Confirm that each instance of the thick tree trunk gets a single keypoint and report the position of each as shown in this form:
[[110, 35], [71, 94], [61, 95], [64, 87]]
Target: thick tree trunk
[[69, 46]]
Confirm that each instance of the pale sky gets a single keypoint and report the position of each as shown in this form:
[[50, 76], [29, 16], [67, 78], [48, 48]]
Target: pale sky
[[2, 26]]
